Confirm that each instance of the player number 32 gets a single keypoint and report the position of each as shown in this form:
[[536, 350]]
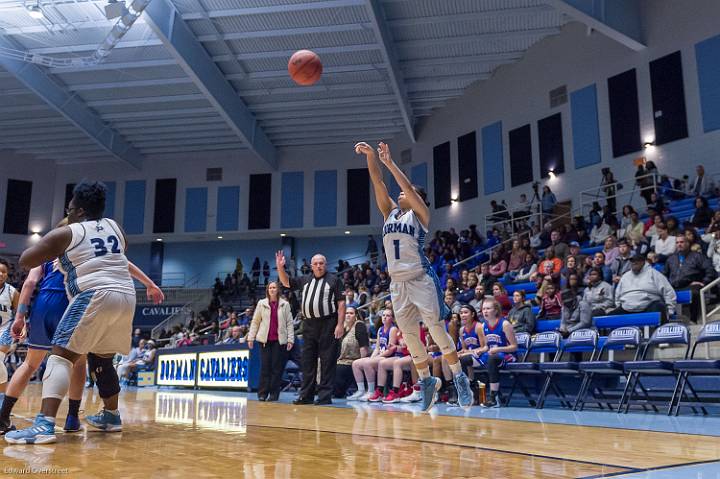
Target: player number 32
[[101, 250]]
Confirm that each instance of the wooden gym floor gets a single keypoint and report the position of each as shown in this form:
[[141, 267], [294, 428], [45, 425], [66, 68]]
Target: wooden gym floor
[[185, 434]]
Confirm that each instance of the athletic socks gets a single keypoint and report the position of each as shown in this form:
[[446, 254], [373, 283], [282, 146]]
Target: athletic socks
[[74, 408], [7, 406], [456, 368], [371, 387], [361, 386]]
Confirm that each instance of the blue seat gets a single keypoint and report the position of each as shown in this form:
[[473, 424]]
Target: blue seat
[[591, 250], [528, 287], [675, 334], [696, 367], [544, 325], [619, 338], [548, 342], [631, 319], [580, 341], [684, 297]]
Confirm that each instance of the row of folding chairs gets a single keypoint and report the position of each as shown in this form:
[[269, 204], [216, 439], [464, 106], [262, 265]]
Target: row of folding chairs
[[602, 368]]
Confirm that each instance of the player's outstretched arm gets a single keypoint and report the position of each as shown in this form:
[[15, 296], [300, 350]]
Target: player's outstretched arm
[[382, 197], [154, 293], [33, 278], [416, 202], [48, 248]]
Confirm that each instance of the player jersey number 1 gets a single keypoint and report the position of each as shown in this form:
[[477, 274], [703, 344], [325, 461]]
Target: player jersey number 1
[[101, 250], [396, 243]]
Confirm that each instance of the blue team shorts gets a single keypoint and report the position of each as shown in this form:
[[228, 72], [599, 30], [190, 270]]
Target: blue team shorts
[[47, 311]]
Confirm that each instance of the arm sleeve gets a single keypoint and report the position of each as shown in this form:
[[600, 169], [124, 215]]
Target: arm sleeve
[[667, 291], [361, 335], [296, 282], [337, 291]]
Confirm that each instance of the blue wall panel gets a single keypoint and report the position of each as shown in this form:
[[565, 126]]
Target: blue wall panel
[[325, 207], [708, 64], [585, 130], [110, 199], [196, 202], [228, 208], [134, 211], [291, 215], [418, 176], [492, 158], [392, 185]]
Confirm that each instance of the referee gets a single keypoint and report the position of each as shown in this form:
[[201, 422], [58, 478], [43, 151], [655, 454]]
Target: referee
[[323, 308]]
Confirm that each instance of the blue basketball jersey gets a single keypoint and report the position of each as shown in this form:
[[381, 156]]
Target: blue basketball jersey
[[469, 338], [383, 338], [53, 279], [495, 336]]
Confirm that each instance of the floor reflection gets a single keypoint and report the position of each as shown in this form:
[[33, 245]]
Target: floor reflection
[[209, 411]]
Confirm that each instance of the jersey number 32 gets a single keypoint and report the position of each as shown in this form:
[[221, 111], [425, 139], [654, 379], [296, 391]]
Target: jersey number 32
[[101, 250]]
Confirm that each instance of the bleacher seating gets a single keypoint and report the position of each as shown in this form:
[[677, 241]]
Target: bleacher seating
[[696, 367]]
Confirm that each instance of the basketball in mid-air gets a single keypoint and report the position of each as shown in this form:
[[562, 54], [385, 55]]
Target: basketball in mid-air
[[305, 67]]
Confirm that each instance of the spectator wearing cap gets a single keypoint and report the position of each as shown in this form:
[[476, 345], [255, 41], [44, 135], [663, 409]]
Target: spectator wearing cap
[[644, 289], [621, 264], [574, 247], [689, 270]]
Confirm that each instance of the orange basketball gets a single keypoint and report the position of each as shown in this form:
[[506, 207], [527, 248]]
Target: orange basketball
[[305, 67]]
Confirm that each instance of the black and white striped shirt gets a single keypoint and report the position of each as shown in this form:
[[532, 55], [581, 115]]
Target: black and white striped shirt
[[320, 296]]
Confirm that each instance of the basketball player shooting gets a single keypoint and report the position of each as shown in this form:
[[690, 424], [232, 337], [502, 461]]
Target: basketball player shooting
[[414, 288]]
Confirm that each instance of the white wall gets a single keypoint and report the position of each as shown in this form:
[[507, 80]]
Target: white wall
[[42, 175]]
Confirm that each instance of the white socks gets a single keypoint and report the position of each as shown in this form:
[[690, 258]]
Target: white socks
[[361, 386], [371, 386], [455, 368]]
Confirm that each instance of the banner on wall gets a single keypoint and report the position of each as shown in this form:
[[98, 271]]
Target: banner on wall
[[149, 315], [176, 369], [224, 369]]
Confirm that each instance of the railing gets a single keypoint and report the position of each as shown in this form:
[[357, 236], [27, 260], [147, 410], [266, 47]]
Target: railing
[[513, 221], [703, 308]]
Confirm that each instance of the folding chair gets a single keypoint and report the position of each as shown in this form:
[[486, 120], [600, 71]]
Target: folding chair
[[696, 367], [548, 342], [618, 338], [582, 340], [671, 333]]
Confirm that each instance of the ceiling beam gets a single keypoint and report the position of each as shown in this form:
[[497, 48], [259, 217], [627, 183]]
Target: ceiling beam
[[302, 104], [182, 44], [131, 84], [142, 100], [190, 148], [362, 47], [286, 32], [111, 66], [161, 114], [299, 7], [478, 38], [470, 17], [618, 19], [384, 38], [333, 70], [70, 106]]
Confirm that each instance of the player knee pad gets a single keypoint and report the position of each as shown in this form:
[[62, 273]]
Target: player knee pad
[[441, 337], [103, 373], [56, 380], [3, 369]]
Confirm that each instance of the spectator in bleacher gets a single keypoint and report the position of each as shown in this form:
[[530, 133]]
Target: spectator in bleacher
[[527, 269], [468, 293], [550, 303], [548, 201], [600, 233], [515, 257], [634, 232], [485, 278], [576, 314], [272, 327], [645, 182], [234, 336], [571, 267], [713, 251], [559, 246], [598, 294], [657, 202], [575, 249], [701, 185], [663, 244], [522, 207], [498, 266], [245, 317], [256, 270], [500, 212], [477, 300], [350, 298], [610, 250], [501, 296], [371, 250], [266, 272], [127, 363], [621, 264], [652, 224], [383, 281], [355, 344], [521, 315], [652, 259], [703, 213], [136, 338], [625, 220], [451, 301], [694, 240], [672, 225], [644, 289], [689, 270], [609, 188]]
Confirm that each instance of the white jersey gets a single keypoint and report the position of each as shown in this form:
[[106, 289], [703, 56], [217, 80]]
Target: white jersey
[[6, 296], [95, 259], [404, 242]]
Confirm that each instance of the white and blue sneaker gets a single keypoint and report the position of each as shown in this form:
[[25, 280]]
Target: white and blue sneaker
[[72, 424], [105, 421], [41, 432], [429, 388], [465, 397]]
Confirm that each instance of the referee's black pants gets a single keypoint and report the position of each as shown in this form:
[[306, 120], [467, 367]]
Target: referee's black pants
[[319, 342]]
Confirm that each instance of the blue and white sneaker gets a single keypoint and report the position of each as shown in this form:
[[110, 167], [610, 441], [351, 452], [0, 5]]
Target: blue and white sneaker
[[429, 388], [41, 432], [72, 424], [105, 421], [464, 392]]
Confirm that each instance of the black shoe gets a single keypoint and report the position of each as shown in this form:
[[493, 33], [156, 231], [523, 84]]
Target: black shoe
[[262, 398], [273, 397], [301, 401], [493, 401], [323, 402], [6, 427]]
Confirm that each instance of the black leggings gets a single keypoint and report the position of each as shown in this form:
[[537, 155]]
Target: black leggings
[[494, 363]]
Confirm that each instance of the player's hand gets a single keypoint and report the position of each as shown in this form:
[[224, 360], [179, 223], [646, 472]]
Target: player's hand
[[250, 344], [384, 153], [17, 330], [492, 351], [289, 346], [363, 148], [280, 260], [339, 331], [155, 294]]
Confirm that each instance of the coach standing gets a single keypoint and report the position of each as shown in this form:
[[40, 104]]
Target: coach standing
[[323, 308]]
